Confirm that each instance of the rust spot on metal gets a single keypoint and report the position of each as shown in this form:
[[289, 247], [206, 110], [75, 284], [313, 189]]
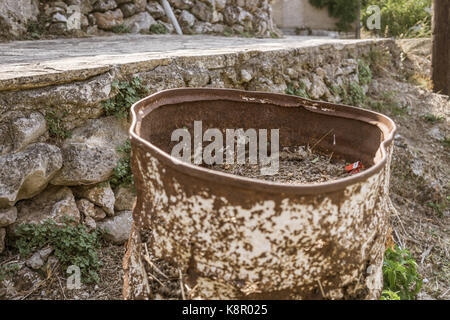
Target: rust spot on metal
[[240, 238]]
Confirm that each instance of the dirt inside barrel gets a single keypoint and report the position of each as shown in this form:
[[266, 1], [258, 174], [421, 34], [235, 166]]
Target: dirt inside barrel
[[297, 165]]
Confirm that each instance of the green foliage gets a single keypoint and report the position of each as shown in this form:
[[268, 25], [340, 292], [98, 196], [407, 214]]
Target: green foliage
[[400, 275], [401, 18], [34, 30], [440, 207], [386, 103], [122, 175], [446, 142], [55, 125], [73, 245], [228, 32], [299, 92], [345, 10], [389, 295], [356, 95], [120, 29], [432, 118], [158, 28], [128, 92], [8, 271], [364, 73]]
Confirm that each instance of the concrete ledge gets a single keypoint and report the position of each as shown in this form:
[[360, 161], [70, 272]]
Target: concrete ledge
[[32, 64]]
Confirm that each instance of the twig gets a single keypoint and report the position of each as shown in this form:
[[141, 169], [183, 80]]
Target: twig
[[62, 288], [331, 156], [183, 296], [320, 140], [9, 260], [425, 254], [321, 289], [40, 283], [443, 295], [147, 256]]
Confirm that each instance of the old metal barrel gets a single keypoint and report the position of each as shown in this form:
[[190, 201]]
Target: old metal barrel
[[240, 238]]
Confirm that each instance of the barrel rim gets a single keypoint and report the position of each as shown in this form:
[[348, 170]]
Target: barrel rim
[[170, 96]]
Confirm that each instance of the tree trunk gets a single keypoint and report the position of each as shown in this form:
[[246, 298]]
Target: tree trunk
[[441, 46]]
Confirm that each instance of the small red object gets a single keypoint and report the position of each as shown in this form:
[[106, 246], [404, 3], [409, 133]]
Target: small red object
[[354, 167]]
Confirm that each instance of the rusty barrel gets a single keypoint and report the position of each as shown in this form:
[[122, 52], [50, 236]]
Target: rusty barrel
[[240, 238]]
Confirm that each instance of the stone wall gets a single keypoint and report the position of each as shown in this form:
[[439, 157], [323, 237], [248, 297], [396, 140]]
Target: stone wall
[[34, 19], [47, 177]]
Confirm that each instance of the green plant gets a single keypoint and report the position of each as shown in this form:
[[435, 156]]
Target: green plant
[[158, 28], [8, 271], [120, 29], [72, 244], [356, 95], [446, 142], [400, 18], [344, 10], [430, 117], [122, 175], [34, 30], [389, 295], [299, 92], [228, 31], [128, 92], [400, 275], [364, 72], [440, 207], [55, 125]]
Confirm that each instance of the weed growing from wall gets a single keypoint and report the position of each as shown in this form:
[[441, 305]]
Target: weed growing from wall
[[72, 244], [128, 92]]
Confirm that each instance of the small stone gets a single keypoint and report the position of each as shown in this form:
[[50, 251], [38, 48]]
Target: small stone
[[90, 223], [246, 76], [25, 174], [220, 4], [182, 4], [27, 130], [58, 17], [202, 11], [140, 5], [128, 9], [139, 22], [45, 253], [186, 19], [100, 214], [35, 262], [58, 28], [105, 5], [109, 19], [86, 207], [117, 229], [155, 9], [8, 216], [125, 198], [60, 4], [101, 195], [436, 134]]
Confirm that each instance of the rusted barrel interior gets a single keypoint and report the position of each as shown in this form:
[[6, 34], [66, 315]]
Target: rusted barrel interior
[[240, 238]]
